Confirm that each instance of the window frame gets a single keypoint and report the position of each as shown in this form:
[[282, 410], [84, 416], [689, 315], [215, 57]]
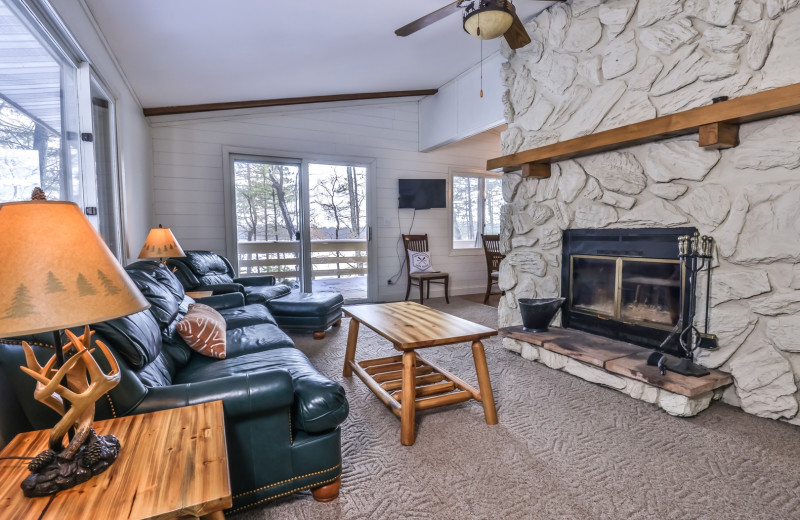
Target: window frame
[[79, 174], [482, 175]]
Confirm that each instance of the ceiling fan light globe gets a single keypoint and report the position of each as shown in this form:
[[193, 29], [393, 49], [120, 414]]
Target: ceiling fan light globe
[[493, 22]]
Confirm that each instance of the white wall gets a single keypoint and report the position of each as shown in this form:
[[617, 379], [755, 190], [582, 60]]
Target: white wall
[[457, 111], [133, 133], [188, 173]]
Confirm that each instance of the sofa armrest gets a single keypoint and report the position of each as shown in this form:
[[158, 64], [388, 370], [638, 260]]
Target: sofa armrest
[[241, 395], [254, 281], [223, 301]]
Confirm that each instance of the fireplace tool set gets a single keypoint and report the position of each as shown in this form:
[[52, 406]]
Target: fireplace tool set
[[694, 253]]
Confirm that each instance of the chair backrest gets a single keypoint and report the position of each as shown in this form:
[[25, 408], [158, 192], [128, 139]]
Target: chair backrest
[[416, 243], [491, 246]]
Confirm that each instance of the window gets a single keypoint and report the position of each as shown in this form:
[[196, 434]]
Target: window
[[38, 113], [48, 97], [477, 199]]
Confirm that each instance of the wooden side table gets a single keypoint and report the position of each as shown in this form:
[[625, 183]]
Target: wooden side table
[[173, 464], [199, 294]]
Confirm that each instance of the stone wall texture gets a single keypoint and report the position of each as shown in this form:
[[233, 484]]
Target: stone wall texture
[[596, 65]]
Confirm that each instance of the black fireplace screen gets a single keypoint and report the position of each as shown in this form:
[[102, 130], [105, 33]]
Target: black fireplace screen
[[625, 284]]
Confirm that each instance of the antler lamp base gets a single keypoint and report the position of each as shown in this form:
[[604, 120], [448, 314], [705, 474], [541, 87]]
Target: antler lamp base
[[50, 473], [80, 382]]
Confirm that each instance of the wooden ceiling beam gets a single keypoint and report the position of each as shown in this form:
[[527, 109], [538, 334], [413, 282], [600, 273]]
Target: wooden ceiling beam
[[234, 105]]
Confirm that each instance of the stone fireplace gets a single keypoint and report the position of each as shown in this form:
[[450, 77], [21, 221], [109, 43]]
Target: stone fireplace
[[595, 65], [625, 284]]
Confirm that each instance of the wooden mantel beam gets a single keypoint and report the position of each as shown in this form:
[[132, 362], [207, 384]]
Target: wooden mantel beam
[[762, 105]]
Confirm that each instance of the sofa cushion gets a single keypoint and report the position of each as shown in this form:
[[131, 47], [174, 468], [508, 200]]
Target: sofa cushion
[[163, 303], [160, 273], [136, 337], [320, 404], [255, 338], [264, 293], [158, 373], [245, 315], [203, 329], [176, 349]]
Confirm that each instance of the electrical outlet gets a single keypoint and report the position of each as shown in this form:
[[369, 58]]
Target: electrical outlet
[[389, 281]]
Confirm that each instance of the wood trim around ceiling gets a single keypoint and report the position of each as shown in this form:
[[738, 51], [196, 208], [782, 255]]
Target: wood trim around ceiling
[[211, 107]]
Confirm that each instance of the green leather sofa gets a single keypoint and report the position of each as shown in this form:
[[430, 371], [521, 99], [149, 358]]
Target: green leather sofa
[[293, 310], [282, 417]]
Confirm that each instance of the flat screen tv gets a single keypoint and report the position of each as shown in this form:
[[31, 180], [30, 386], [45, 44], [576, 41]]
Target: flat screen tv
[[423, 193]]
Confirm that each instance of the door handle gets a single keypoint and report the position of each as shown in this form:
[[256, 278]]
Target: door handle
[[297, 235], [369, 234]]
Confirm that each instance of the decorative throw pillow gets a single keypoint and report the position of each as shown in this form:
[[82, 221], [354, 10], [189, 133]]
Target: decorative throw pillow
[[203, 329], [420, 263]]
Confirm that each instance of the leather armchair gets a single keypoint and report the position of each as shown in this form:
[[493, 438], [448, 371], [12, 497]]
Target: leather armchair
[[282, 416], [208, 271]]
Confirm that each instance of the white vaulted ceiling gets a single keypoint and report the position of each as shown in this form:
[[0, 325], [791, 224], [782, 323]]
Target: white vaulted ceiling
[[182, 52]]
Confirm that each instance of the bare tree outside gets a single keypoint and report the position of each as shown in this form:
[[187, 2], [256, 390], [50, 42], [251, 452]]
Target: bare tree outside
[[267, 218], [30, 155]]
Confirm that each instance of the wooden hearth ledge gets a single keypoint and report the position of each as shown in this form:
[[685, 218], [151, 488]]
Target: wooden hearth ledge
[[717, 125], [617, 357]]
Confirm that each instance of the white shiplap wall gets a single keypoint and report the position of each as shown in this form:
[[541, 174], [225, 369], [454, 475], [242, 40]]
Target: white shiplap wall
[[188, 173]]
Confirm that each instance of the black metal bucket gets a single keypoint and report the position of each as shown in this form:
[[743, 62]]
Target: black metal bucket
[[538, 312]]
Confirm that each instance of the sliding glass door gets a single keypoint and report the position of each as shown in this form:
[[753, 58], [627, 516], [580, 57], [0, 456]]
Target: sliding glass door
[[338, 228], [303, 222], [267, 218]]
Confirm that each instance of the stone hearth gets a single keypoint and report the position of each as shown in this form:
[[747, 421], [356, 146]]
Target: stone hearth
[[596, 65], [618, 365]]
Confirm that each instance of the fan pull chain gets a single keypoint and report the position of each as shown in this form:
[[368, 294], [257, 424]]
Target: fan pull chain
[[481, 68]]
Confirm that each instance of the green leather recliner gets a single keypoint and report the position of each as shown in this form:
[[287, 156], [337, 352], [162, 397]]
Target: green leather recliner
[[282, 416]]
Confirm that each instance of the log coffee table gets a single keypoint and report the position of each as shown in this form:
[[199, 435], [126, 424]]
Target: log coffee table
[[408, 378]]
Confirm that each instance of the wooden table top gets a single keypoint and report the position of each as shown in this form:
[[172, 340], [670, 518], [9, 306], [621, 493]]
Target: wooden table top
[[199, 294], [173, 464], [409, 325]]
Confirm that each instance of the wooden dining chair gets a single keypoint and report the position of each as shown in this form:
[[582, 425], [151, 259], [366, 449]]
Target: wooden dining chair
[[419, 244], [491, 246]]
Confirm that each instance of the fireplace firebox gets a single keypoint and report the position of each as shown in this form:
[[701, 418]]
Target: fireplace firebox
[[626, 284]]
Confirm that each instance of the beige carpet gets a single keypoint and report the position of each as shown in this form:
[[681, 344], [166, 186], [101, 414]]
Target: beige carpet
[[564, 449]]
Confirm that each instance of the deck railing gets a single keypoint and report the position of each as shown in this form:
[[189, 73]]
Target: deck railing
[[281, 258]]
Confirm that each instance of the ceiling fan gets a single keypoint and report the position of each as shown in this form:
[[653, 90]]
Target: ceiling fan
[[484, 19]]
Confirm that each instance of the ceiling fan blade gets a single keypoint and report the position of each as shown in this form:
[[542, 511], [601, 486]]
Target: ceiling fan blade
[[516, 35], [428, 19]]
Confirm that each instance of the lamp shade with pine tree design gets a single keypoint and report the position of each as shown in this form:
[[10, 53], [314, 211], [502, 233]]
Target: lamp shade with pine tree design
[[57, 272], [161, 243]]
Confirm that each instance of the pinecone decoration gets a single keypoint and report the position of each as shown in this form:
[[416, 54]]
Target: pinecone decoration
[[38, 194], [92, 454], [41, 461]]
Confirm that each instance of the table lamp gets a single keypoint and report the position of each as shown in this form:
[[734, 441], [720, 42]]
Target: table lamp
[[60, 274], [160, 243]]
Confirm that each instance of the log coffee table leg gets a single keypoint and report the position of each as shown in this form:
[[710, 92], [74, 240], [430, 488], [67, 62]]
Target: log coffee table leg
[[482, 370], [408, 398], [350, 353]]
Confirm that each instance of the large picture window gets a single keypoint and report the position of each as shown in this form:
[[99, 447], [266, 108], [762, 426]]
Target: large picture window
[[477, 199], [57, 126], [38, 113]]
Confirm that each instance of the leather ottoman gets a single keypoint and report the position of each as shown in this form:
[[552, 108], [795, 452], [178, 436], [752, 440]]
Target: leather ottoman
[[313, 312]]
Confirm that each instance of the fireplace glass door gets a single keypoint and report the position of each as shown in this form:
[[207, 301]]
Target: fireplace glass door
[[631, 290], [651, 292], [594, 285]]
